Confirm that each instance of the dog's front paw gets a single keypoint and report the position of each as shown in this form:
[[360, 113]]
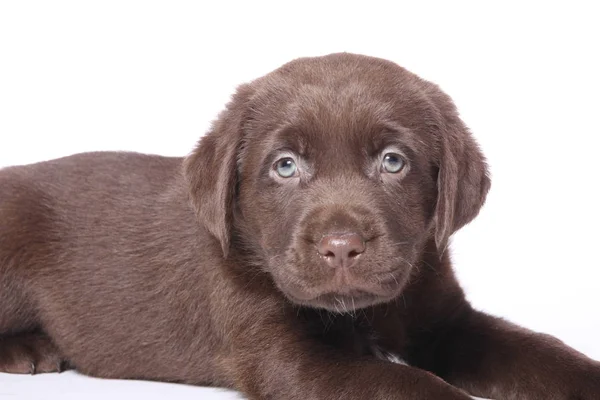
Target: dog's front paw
[[576, 381]]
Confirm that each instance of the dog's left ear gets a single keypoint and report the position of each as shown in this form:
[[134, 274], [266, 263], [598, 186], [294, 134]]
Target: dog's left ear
[[211, 169], [463, 180]]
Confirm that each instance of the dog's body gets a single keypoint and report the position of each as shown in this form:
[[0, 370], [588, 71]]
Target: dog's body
[[293, 255], [109, 253]]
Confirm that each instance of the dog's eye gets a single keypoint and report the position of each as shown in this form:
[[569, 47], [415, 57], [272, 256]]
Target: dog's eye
[[286, 167], [392, 163]]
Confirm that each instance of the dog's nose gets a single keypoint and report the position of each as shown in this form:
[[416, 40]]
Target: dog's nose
[[341, 250]]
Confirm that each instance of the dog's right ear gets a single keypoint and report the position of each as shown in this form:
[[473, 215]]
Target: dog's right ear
[[211, 169]]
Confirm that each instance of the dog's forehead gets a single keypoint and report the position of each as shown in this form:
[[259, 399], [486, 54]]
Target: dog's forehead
[[363, 86], [341, 102], [352, 117]]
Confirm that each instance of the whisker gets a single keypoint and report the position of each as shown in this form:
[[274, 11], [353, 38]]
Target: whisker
[[394, 277], [430, 266]]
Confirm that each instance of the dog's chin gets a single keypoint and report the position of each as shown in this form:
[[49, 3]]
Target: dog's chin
[[342, 291], [341, 300], [342, 303]]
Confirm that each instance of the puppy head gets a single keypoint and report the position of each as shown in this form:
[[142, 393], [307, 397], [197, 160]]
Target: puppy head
[[332, 173]]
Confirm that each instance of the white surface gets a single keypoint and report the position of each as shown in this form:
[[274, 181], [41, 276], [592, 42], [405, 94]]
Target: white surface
[[149, 76], [73, 386]]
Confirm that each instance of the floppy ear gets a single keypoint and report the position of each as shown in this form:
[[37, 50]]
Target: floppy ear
[[211, 169], [463, 181]]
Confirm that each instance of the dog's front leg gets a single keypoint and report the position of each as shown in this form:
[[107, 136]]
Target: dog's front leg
[[274, 360], [492, 358]]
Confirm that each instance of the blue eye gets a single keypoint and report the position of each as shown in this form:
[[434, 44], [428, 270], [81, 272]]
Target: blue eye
[[286, 167], [392, 163]]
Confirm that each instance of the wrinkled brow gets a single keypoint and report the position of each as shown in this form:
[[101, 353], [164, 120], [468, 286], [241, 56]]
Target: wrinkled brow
[[284, 139], [292, 139]]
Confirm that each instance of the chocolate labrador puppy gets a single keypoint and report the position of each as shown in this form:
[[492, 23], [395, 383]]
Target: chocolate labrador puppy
[[299, 252]]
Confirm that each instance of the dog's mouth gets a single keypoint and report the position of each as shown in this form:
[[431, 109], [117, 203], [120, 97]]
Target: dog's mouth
[[341, 295], [342, 303]]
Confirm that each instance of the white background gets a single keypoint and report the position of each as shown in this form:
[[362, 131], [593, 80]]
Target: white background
[[150, 76]]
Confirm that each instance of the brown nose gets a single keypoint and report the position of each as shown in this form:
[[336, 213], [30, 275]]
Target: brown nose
[[341, 250]]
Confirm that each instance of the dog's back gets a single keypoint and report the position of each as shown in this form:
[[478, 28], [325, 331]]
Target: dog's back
[[98, 233]]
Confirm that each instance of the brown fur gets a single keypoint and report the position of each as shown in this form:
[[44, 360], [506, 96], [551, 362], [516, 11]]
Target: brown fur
[[205, 270]]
